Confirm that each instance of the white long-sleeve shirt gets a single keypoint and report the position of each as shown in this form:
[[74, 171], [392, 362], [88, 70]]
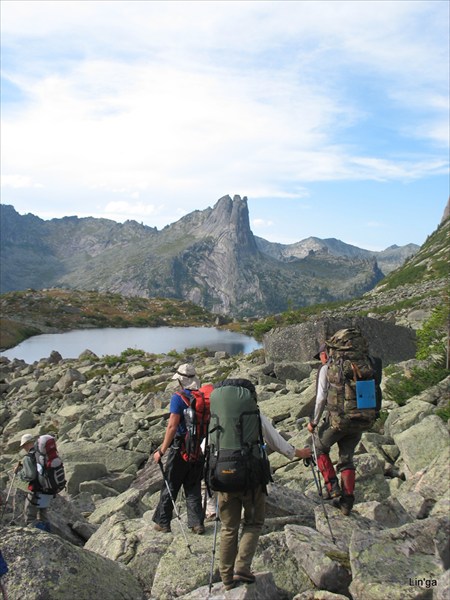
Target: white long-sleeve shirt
[[321, 393], [274, 440]]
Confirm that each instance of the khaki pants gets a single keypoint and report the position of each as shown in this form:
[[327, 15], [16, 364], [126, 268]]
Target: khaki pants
[[238, 555], [33, 512]]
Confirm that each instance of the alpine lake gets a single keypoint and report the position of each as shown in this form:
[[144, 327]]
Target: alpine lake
[[110, 341]]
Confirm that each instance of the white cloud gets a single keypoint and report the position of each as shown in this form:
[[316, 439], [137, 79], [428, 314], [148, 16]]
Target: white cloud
[[154, 108], [262, 223], [19, 181]]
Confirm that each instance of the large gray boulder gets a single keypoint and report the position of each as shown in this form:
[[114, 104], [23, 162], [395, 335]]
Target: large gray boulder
[[264, 588], [42, 565], [421, 444], [385, 564], [115, 459], [401, 418], [274, 554], [129, 503], [325, 565], [132, 542], [392, 343]]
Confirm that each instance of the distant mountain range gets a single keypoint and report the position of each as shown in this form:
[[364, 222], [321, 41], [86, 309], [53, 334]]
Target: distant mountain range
[[209, 257]]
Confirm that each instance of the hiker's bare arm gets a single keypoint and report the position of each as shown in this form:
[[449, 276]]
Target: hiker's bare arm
[[171, 430]]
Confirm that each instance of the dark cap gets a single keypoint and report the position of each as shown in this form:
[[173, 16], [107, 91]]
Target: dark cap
[[323, 348]]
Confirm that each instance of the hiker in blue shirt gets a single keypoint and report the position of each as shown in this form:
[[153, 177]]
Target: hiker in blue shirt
[[178, 470]]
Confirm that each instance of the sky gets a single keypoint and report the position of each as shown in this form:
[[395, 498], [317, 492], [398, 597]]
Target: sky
[[332, 117]]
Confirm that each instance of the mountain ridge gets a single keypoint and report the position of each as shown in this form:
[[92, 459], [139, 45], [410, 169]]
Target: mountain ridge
[[209, 257]]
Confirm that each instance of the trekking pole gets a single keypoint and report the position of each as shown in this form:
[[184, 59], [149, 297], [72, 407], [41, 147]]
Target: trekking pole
[[319, 488], [216, 521], [174, 506], [7, 496]]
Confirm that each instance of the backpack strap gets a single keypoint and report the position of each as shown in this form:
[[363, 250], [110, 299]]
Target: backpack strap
[[184, 398]]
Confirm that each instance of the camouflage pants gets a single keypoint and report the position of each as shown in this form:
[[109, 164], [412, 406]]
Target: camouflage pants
[[235, 554], [347, 440]]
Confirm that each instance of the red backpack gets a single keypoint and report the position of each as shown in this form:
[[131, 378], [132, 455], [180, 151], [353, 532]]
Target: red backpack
[[197, 416], [50, 468]]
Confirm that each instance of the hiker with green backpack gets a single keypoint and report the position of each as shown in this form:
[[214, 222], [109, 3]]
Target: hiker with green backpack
[[348, 386], [238, 470]]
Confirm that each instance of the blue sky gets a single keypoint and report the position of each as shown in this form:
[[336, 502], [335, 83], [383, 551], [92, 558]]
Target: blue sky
[[332, 117]]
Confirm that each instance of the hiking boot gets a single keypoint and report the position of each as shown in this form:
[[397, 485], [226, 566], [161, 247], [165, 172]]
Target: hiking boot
[[346, 504], [230, 585], [162, 528], [244, 577], [334, 491], [198, 529]]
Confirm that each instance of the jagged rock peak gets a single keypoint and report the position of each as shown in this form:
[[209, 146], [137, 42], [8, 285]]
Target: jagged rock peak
[[446, 214], [230, 218]]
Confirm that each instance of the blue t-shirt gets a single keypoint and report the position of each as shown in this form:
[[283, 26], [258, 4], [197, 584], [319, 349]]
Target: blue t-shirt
[[178, 406]]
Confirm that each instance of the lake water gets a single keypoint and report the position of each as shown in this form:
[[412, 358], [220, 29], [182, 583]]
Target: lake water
[[158, 340]]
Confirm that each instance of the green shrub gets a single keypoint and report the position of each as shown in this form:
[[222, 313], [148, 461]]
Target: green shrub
[[400, 389], [444, 413], [432, 337]]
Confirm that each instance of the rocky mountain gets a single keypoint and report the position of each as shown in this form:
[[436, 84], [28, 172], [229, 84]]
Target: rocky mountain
[[387, 260], [208, 257]]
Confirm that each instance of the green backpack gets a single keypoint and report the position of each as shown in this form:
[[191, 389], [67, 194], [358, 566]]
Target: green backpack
[[353, 395], [237, 461]]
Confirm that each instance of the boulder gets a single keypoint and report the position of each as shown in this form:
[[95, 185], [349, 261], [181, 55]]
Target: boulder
[[273, 554], [62, 571], [115, 459], [325, 565], [263, 588], [79, 472], [392, 343], [129, 503], [442, 590], [402, 418], [422, 443], [282, 501], [387, 564], [131, 542]]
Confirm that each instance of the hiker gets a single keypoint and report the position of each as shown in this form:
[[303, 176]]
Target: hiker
[[254, 431], [345, 361], [36, 502], [179, 470]]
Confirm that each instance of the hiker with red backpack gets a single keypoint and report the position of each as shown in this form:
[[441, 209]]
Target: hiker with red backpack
[[348, 386], [186, 430], [44, 471]]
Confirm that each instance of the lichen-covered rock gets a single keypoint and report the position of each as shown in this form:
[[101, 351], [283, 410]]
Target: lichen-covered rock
[[386, 564], [132, 542], [181, 571], [282, 501], [128, 503], [421, 444], [319, 595], [326, 565], [115, 459], [403, 417], [43, 565], [274, 554], [264, 588]]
